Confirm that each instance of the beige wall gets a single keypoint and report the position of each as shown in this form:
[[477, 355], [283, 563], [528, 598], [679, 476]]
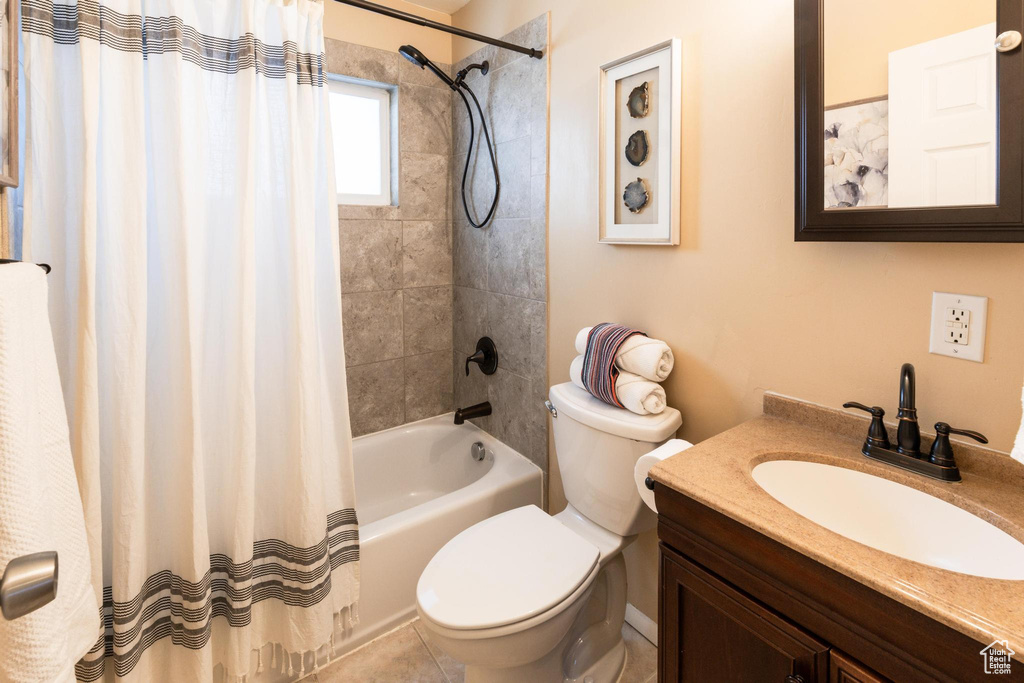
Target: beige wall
[[859, 37], [362, 27], [745, 307]]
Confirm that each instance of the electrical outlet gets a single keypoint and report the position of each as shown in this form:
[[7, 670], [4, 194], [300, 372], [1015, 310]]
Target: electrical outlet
[[958, 326]]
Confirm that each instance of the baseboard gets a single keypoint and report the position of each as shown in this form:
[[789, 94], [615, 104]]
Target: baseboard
[[642, 623]]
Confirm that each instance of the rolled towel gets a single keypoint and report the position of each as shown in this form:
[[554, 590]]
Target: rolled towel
[[638, 395], [640, 355]]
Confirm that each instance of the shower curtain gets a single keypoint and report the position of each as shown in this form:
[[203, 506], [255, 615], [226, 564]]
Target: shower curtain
[[179, 180]]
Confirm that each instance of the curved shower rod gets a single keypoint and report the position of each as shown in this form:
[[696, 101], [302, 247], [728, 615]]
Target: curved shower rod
[[414, 19]]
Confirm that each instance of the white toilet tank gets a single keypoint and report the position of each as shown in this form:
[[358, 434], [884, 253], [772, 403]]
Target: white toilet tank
[[597, 446]]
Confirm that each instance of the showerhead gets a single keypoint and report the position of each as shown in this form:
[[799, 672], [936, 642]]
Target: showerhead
[[420, 60], [413, 55]]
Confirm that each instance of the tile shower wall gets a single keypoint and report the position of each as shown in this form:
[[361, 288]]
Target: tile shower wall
[[500, 272], [396, 261]]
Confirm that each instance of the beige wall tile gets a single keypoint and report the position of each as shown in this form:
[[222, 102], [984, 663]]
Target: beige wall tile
[[427, 319], [428, 385], [372, 323], [376, 396], [425, 118], [427, 253], [371, 255]]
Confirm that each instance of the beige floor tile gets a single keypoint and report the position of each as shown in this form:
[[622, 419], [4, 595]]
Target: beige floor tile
[[407, 655], [398, 656], [453, 670], [641, 657]]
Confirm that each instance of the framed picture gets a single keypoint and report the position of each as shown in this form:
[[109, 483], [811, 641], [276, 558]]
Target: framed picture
[[640, 146], [857, 153], [9, 93]]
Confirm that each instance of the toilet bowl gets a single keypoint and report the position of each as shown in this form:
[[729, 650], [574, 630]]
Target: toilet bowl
[[527, 596]]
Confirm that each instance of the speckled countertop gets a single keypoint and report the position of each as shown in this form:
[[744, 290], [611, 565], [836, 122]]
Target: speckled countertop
[[717, 473]]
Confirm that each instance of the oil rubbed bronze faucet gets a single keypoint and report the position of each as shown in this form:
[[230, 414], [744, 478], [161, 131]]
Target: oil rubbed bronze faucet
[[939, 463], [468, 413], [908, 433]]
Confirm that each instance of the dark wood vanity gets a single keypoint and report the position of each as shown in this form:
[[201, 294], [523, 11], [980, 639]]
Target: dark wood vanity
[[738, 606], [751, 591]]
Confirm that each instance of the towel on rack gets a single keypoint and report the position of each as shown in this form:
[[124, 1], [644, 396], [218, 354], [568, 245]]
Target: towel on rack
[[40, 504], [639, 354], [636, 394]]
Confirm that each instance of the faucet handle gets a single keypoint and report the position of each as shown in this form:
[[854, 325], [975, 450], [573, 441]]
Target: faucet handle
[[942, 450], [942, 426], [876, 411], [486, 356], [878, 435]]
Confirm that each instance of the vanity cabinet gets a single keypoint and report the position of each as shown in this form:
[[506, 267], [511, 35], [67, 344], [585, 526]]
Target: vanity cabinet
[[842, 669], [736, 606], [720, 634]]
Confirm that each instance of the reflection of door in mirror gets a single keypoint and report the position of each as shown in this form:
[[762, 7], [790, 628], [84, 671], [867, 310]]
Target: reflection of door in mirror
[[910, 103]]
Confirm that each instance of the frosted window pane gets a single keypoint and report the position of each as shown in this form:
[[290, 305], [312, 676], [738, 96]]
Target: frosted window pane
[[355, 125]]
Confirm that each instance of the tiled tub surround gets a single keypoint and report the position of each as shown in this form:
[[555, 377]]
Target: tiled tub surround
[[500, 271], [396, 260]]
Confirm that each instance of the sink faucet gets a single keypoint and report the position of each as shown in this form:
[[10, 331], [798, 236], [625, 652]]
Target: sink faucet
[[908, 434], [939, 463]]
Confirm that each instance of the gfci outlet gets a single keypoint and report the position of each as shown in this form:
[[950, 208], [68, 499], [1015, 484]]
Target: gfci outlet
[[958, 326]]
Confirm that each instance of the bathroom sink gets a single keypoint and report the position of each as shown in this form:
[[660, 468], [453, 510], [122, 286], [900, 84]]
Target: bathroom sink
[[893, 518]]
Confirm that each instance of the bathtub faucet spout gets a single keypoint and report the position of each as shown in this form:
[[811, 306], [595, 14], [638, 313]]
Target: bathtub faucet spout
[[479, 410]]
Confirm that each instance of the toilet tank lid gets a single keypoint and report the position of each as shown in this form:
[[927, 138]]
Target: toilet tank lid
[[570, 400]]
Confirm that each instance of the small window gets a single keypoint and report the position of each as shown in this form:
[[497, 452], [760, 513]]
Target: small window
[[361, 128]]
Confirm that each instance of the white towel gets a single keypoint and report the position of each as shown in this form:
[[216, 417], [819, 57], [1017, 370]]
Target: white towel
[[40, 505], [640, 355], [1018, 446], [636, 394]]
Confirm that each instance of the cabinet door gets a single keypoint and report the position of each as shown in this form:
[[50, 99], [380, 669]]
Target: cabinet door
[[711, 632], [842, 669]]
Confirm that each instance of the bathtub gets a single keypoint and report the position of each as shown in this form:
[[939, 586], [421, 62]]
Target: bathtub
[[417, 486]]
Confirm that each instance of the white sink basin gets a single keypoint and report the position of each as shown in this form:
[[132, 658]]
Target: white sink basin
[[894, 518]]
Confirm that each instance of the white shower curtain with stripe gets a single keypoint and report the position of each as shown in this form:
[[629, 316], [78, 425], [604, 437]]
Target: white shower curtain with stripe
[[179, 180]]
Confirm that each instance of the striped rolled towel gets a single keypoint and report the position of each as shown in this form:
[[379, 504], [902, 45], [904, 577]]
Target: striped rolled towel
[[637, 395], [639, 354], [599, 374]]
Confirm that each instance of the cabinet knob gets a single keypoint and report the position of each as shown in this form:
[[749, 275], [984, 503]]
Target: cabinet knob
[[795, 678]]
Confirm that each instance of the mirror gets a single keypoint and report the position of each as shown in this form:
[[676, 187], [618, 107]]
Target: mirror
[[908, 120], [909, 103]]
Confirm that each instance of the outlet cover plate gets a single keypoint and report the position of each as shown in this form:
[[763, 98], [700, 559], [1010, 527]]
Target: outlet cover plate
[[958, 326]]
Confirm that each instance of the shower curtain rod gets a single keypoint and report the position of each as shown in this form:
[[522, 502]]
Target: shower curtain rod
[[413, 19]]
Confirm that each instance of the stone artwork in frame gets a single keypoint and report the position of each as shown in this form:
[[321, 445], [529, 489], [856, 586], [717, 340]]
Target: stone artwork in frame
[[9, 94], [640, 146]]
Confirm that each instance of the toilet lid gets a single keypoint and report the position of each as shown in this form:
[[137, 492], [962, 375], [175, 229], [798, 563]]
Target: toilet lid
[[503, 570]]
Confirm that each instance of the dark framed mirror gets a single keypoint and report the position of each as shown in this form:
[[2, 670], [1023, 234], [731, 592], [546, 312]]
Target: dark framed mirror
[[909, 120]]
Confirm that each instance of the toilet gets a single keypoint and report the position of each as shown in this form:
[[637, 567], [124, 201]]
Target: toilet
[[527, 596]]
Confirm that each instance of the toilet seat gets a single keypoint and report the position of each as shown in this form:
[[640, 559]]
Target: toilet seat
[[506, 569]]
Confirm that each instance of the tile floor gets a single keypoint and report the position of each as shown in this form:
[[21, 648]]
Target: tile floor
[[405, 656]]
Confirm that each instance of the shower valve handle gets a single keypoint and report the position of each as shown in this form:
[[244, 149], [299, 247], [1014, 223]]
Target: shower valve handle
[[486, 356]]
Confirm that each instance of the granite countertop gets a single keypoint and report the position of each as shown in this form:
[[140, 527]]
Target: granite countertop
[[717, 473]]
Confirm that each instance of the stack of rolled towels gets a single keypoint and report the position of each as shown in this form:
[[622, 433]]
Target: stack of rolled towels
[[640, 364]]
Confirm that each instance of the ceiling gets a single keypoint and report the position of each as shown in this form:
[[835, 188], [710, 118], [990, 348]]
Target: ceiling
[[446, 6]]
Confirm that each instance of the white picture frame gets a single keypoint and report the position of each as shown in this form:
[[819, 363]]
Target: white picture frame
[[657, 222]]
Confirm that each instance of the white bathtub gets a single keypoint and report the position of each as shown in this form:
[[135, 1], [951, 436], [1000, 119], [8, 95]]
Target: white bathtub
[[417, 486]]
